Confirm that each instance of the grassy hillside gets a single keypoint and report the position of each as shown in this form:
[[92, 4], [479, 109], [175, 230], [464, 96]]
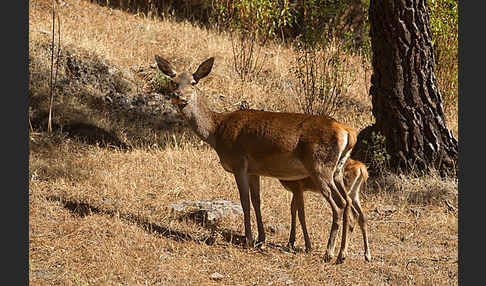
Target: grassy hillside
[[100, 183]]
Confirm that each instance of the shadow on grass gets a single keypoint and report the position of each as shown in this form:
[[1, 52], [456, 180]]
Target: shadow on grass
[[96, 106], [83, 209], [193, 11]]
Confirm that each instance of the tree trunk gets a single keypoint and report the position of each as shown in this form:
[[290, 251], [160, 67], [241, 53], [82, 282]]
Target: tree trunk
[[407, 104]]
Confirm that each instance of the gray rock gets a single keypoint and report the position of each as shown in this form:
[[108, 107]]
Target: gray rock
[[216, 276], [284, 279], [212, 211], [275, 227]]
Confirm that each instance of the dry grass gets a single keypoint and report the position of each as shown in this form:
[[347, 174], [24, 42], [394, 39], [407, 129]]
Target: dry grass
[[98, 216], [121, 231]]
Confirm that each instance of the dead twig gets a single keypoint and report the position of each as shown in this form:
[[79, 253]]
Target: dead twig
[[450, 206], [390, 221], [49, 123], [434, 259], [53, 81], [413, 260]]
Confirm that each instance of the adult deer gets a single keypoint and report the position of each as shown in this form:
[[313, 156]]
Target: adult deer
[[355, 174], [287, 146]]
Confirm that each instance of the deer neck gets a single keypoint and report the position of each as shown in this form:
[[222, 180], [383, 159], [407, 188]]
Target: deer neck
[[201, 119]]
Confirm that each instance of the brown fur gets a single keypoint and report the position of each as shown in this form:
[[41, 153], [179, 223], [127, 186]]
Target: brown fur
[[355, 175], [287, 146]]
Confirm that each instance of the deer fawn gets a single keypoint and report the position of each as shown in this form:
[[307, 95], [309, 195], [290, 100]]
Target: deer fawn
[[355, 174], [286, 146]]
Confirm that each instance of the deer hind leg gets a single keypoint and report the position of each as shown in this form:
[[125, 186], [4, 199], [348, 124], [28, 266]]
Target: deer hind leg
[[293, 217], [322, 180], [354, 212], [362, 219], [290, 186], [322, 163], [254, 182], [347, 215], [300, 211]]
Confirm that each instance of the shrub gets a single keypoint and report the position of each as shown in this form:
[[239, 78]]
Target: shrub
[[443, 25], [321, 77], [251, 23], [160, 83], [267, 18], [376, 153]]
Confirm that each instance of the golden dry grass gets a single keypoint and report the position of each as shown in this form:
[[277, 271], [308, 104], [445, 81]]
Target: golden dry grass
[[99, 216], [413, 240]]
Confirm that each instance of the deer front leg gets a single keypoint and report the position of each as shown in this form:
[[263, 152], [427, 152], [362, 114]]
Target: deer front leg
[[362, 219], [241, 178], [301, 212], [254, 182], [293, 216], [294, 188]]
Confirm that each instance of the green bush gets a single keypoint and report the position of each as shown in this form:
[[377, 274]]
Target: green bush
[[267, 18], [308, 21], [443, 25], [376, 152], [319, 21], [160, 83]]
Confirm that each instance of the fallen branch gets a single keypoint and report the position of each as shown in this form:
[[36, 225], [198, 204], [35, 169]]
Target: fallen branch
[[390, 221], [450, 206]]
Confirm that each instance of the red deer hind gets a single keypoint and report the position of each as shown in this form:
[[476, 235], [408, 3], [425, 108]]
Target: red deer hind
[[286, 146]]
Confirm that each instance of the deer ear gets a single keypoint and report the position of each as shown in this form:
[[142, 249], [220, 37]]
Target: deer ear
[[165, 66], [203, 69]]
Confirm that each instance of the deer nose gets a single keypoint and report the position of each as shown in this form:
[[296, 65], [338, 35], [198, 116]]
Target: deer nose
[[175, 94]]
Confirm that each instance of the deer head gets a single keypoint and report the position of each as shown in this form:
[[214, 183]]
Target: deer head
[[181, 87], [184, 95]]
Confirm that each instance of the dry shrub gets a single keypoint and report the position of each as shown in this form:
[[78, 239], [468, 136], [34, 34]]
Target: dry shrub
[[322, 78], [248, 57], [425, 190]]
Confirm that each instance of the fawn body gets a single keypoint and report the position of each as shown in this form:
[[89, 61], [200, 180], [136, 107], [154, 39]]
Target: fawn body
[[355, 175]]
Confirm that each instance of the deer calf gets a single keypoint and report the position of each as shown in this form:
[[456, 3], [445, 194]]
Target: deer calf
[[355, 174], [286, 146]]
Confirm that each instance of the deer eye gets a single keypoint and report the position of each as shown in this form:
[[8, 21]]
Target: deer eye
[[172, 86]]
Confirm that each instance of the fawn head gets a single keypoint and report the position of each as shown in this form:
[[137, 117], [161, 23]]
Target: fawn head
[[181, 86]]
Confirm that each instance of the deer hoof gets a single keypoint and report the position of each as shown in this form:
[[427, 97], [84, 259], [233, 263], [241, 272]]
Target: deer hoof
[[260, 245], [327, 257], [340, 258]]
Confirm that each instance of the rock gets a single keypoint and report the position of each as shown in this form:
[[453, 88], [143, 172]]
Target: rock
[[216, 276], [211, 211], [113, 70], [283, 279], [44, 32], [275, 227]]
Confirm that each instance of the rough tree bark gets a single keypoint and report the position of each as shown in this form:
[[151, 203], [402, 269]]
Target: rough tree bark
[[407, 104]]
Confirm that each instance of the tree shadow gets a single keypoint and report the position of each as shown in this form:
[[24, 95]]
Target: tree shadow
[[94, 104], [196, 12], [83, 209]]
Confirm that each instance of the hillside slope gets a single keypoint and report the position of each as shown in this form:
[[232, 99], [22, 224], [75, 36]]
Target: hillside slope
[[100, 184]]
